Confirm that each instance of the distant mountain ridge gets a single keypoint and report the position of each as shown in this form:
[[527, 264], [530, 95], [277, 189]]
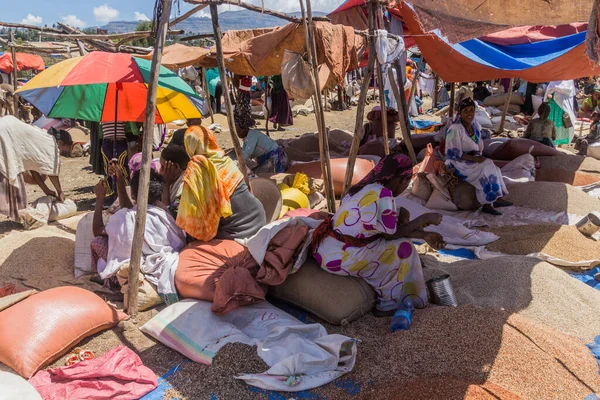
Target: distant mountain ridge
[[229, 20]]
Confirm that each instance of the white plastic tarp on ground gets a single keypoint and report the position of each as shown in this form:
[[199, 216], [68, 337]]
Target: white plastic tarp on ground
[[300, 356]]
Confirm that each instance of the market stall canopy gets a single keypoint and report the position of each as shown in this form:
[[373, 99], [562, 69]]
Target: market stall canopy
[[260, 52], [460, 20], [532, 34], [180, 56], [25, 62], [558, 58]]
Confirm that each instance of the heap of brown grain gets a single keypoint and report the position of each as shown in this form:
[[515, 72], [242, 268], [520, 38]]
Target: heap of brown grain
[[552, 196], [560, 241]]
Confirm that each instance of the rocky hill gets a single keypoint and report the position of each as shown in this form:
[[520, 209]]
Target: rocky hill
[[229, 20]]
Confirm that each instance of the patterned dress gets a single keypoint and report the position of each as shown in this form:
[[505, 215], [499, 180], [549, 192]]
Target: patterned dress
[[485, 176], [391, 267]]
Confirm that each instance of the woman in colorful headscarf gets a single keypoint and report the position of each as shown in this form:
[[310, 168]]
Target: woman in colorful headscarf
[[368, 238], [464, 148], [590, 104], [215, 201]]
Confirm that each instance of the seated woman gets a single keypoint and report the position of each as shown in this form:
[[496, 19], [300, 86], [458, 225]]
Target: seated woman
[[582, 143], [269, 156], [464, 149], [25, 148], [173, 162], [541, 129], [215, 200], [162, 239], [367, 238], [590, 104]]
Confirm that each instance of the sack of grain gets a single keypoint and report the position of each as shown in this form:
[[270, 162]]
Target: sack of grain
[[498, 100], [421, 187]]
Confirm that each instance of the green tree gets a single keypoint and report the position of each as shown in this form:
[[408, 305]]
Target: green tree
[[145, 42]]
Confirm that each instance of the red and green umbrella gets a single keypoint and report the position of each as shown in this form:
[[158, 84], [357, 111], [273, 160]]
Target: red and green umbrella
[[109, 87]]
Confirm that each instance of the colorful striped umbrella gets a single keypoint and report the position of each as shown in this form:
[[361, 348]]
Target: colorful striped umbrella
[[109, 87]]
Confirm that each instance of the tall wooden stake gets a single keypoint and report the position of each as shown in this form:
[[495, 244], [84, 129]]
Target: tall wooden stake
[[221, 64], [13, 53], [207, 96], [403, 127], [142, 195], [319, 110], [452, 100], [360, 110], [413, 88], [383, 105], [436, 84], [384, 122], [509, 93]]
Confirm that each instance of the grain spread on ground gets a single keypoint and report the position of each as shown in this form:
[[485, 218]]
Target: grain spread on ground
[[542, 292], [560, 241], [571, 163], [552, 196]]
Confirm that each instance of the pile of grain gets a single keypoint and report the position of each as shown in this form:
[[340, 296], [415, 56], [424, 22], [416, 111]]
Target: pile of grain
[[571, 163], [42, 258], [469, 345], [552, 196], [534, 289], [559, 241]]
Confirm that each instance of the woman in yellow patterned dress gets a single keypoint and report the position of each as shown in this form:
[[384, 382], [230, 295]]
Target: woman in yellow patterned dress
[[370, 239]]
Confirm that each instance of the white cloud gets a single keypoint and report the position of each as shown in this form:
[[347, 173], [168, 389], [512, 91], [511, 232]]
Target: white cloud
[[105, 13], [141, 17], [73, 21], [32, 20]]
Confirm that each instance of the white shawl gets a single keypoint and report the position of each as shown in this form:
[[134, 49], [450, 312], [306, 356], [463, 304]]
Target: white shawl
[[163, 240]]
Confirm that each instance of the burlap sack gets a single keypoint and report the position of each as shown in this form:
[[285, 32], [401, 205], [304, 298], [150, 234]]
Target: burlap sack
[[296, 76], [336, 299]]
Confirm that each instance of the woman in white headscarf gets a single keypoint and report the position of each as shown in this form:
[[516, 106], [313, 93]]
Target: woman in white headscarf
[[560, 96]]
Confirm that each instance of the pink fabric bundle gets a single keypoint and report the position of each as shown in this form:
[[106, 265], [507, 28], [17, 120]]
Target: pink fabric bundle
[[118, 375]]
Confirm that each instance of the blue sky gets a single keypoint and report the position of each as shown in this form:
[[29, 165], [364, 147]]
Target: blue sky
[[85, 13]]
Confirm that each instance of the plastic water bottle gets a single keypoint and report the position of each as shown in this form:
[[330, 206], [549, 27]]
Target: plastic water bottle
[[408, 304], [402, 319]]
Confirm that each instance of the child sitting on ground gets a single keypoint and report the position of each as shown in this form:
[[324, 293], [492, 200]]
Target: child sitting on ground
[[542, 129], [582, 143]]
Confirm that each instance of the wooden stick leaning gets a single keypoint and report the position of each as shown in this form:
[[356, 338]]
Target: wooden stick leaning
[[319, 110], [452, 100], [436, 84], [207, 96], [383, 104], [405, 132], [13, 53], [413, 88], [221, 65], [509, 93], [142, 195], [360, 110]]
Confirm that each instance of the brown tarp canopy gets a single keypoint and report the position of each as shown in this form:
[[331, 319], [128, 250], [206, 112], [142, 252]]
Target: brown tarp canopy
[[260, 52], [180, 56], [460, 20]]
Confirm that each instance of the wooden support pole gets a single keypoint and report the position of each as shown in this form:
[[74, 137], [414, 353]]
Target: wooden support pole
[[436, 85], [452, 100], [413, 88], [311, 48], [221, 65], [142, 195], [403, 127], [13, 53], [207, 96], [509, 93], [383, 105], [360, 110]]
